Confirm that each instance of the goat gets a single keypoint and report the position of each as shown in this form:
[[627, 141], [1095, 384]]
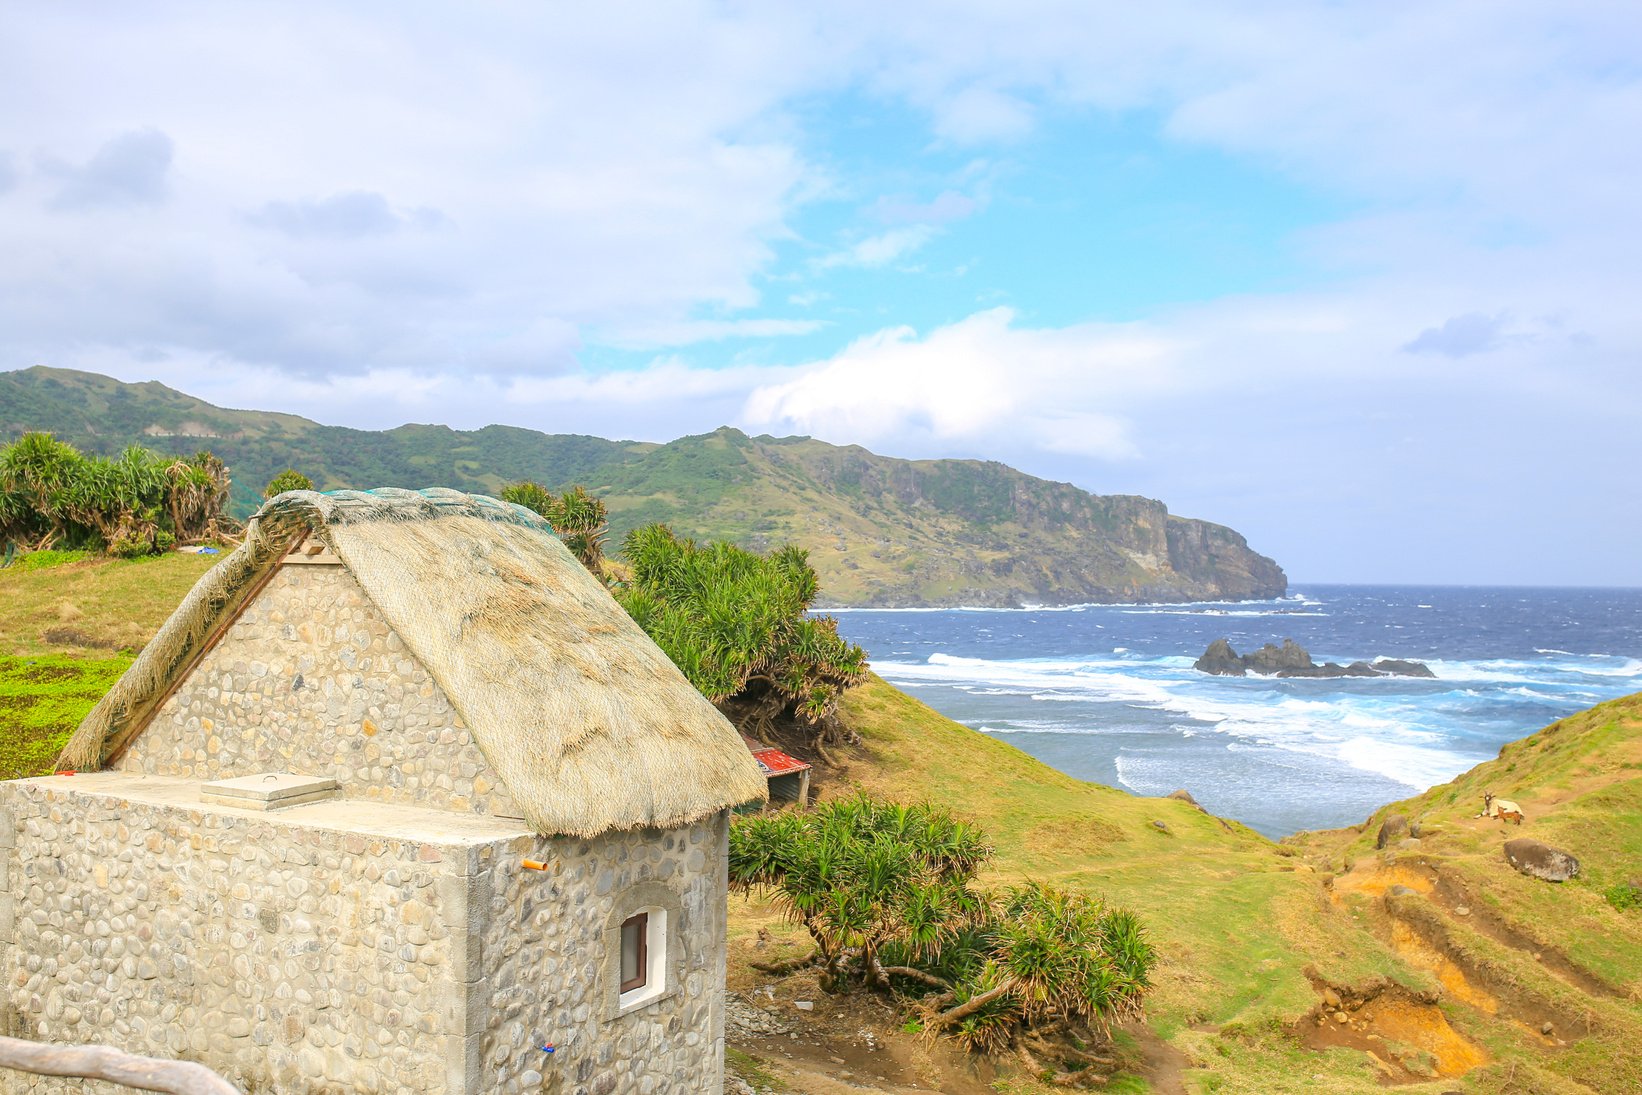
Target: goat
[[1502, 809]]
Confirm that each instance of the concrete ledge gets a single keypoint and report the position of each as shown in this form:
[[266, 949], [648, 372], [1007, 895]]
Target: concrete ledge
[[360, 817]]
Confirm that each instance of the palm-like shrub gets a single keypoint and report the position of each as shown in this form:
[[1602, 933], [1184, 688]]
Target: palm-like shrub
[[579, 518], [37, 473], [860, 875], [138, 503], [737, 624], [886, 893], [1049, 958], [196, 496]]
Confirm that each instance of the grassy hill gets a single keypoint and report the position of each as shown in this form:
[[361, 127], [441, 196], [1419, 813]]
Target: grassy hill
[[879, 530], [1446, 964], [1255, 935]]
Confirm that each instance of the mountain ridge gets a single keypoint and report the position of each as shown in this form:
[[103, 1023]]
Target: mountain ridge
[[881, 531]]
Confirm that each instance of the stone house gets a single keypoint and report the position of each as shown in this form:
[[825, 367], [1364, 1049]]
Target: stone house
[[399, 800]]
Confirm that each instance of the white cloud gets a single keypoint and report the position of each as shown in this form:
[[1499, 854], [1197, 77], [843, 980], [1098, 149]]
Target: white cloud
[[614, 175], [970, 380], [975, 115], [882, 249], [566, 195], [129, 169], [944, 208], [343, 216], [623, 176]]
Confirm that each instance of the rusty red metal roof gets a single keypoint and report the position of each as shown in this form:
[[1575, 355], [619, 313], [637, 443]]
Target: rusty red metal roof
[[773, 761]]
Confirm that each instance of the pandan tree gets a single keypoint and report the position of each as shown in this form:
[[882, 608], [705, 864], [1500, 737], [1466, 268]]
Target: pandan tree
[[737, 624], [138, 503], [289, 479], [1044, 968], [196, 493], [861, 875], [37, 473], [887, 895], [579, 518]]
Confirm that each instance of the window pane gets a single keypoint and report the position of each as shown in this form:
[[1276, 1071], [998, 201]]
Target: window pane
[[633, 951]]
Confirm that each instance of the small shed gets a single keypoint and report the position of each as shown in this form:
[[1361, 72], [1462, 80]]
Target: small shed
[[398, 800], [787, 778]]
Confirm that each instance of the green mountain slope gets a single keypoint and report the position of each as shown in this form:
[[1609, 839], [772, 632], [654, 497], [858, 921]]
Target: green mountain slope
[[880, 530]]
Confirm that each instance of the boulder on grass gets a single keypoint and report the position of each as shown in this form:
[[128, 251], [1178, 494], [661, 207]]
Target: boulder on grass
[[1184, 795], [1539, 860], [1393, 829]]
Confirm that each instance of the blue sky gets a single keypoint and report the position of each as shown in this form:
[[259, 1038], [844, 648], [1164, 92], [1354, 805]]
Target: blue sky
[[1356, 279]]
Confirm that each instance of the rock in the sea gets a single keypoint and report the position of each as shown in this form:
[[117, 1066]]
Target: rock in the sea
[[1539, 860], [1397, 667], [1293, 660], [1394, 828], [1270, 659], [1222, 659]]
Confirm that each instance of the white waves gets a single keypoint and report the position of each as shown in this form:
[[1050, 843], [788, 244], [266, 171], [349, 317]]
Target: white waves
[[1374, 729]]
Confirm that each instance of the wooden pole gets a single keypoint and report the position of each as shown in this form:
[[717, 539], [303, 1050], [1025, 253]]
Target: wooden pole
[[115, 1066]]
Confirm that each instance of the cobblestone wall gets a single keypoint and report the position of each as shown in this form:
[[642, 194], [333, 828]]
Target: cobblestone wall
[[547, 974], [291, 959], [311, 679]]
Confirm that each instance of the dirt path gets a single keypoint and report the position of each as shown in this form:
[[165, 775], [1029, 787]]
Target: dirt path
[[856, 1044], [1165, 1068]]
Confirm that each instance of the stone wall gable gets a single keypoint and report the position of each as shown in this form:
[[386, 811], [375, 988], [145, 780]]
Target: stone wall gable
[[311, 679]]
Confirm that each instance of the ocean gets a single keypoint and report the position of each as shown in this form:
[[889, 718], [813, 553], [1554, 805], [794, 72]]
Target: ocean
[[1108, 692]]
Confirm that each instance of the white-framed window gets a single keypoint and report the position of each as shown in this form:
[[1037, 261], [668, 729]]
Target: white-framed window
[[643, 948], [643, 965]]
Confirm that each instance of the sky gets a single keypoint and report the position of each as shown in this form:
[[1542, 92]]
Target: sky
[[1360, 280]]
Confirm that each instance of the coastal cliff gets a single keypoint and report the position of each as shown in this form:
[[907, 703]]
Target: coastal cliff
[[881, 531]]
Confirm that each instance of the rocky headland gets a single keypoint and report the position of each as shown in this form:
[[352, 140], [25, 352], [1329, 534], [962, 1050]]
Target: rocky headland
[[1293, 660], [880, 531]]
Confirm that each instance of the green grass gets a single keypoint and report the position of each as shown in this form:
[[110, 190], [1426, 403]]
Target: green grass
[[42, 700], [752, 1070], [1624, 896], [45, 560], [70, 624], [92, 606], [1578, 782], [1227, 911], [1239, 920]]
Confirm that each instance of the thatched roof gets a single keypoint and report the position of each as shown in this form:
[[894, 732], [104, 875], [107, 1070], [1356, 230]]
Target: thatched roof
[[583, 718]]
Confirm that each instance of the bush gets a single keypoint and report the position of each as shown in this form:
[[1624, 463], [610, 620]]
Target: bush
[[45, 560], [1624, 895], [886, 893], [737, 624], [289, 479], [860, 874], [578, 518], [137, 503]]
